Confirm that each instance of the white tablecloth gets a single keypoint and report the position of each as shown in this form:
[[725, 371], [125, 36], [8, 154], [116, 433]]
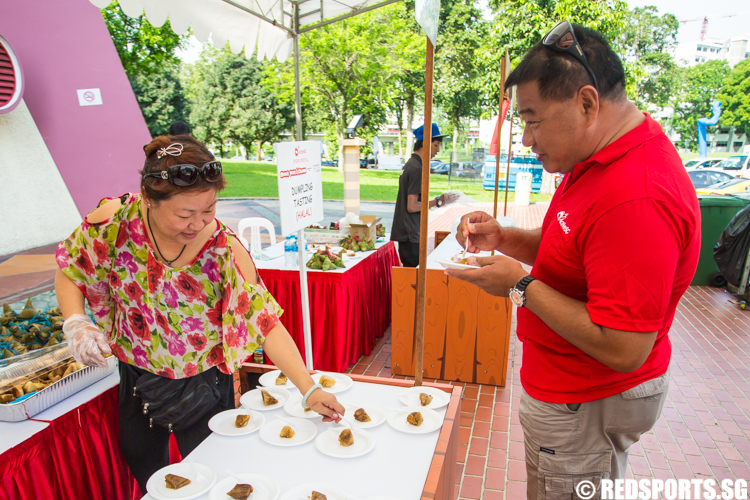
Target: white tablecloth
[[280, 264], [397, 466], [15, 433]]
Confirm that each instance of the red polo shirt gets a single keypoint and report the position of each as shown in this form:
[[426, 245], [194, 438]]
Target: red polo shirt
[[622, 234]]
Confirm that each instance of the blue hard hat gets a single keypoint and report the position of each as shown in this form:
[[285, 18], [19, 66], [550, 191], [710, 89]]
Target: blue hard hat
[[419, 132]]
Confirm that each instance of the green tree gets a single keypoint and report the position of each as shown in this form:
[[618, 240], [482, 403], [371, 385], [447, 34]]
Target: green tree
[[143, 48], [458, 92], [160, 98], [519, 24], [697, 88], [735, 98], [647, 45], [348, 68]]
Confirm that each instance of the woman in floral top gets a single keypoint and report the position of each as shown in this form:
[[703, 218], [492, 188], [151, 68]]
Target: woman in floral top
[[174, 293]]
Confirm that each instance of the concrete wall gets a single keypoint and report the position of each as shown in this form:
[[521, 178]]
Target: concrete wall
[[36, 207], [64, 45]]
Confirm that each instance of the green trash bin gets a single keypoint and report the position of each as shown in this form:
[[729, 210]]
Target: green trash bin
[[716, 213]]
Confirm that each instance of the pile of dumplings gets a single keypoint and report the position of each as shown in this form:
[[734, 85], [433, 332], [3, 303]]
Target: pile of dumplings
[[29, 329]]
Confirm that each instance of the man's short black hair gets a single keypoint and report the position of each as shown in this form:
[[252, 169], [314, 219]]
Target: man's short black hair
[[420, 142], [560, 75], [179, 128]]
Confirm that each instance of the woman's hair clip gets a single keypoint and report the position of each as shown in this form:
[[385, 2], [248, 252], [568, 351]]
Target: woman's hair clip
[[174, 149]]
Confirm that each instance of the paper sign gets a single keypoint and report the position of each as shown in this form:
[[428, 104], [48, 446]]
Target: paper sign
[[300, 185], [427, 13], [89, 97]]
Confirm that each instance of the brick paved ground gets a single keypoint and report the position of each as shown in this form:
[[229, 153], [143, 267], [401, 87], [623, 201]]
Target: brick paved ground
[[704, 430]]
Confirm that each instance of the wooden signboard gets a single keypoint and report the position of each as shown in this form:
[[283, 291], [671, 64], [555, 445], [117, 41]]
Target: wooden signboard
[[466, 333]]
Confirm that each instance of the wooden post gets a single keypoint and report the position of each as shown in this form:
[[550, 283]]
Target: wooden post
[[503, 71], [510, 143], [424, 219]]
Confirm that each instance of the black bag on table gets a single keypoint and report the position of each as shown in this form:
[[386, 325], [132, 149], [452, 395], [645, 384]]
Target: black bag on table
[[177, 404], [730, 252]]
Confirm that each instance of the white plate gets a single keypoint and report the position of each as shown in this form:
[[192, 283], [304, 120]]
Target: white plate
[[432, 420], [304, 432], [449, 264], [223, 423], [327, 443], [157, 487], [383, 498], [294, 408], [253, 400], [268, 379], [376, 413], [410, 397], [219, 492], [304, 491], [343, 382]]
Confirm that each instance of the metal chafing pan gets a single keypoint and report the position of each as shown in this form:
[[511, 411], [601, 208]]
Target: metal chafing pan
[[54, 393]]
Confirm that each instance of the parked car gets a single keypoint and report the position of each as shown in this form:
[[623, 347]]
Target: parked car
[[367, 163], [729, 186], [467, 169], [269, 158], [439, 168], [738, 165], [706, 162], [329, 163], [704, 177]]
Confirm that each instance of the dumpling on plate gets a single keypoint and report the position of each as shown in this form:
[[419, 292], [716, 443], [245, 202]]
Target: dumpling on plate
[[318, 496], [346, 438], [281, 379], [425, 399], [268, 400], [361, 416], [327, 381], [415, 418], [175, 482], [287, 432], [241, 421], [240, 491]]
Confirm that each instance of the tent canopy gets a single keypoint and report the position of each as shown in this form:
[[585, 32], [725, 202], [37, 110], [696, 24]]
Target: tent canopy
[[268, 25]]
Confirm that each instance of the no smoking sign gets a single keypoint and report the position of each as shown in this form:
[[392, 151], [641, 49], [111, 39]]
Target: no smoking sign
[[89, 97]]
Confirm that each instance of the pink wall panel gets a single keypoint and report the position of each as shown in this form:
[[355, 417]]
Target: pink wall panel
[[64, 45]]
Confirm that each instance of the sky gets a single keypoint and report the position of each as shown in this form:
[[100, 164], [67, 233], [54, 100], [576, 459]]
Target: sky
[[688, 36]]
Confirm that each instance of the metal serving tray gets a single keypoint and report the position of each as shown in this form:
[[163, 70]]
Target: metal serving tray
[[54, 393]]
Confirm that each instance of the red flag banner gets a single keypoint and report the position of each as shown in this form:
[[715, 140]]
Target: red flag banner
[[499, 127]]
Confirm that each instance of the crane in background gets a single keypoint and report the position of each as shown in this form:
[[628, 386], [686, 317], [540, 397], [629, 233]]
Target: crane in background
[[704, 21]]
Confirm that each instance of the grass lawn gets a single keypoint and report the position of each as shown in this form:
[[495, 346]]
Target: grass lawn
[[251, 179]]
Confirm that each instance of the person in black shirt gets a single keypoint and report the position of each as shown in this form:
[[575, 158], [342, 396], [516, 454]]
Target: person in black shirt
[[406, 216]]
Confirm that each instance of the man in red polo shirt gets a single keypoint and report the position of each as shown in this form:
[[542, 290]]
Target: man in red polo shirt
[[618, 248]]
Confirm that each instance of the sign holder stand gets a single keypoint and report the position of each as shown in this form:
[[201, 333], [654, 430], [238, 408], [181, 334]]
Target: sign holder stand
[[305, 299]]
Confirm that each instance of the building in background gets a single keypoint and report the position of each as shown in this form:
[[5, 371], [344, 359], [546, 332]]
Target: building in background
[[733, 50]]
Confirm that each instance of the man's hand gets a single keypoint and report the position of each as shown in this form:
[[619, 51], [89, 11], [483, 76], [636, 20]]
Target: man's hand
[[450, 197], [482, 231], [496, 276]]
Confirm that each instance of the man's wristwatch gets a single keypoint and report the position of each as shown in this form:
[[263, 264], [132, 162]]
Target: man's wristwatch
[[439, 201], [518, 292]]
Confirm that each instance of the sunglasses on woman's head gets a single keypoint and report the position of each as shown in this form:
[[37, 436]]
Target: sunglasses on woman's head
[[562, 38], [187, 175]]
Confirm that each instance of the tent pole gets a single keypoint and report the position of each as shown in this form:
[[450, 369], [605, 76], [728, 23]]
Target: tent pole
[[503, 70], [424, 219], [307, 330]]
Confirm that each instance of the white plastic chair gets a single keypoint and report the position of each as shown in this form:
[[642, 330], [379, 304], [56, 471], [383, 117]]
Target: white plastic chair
[[255, 224]]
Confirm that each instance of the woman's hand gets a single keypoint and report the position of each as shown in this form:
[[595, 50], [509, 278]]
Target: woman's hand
[[326, 404], [86, 341]]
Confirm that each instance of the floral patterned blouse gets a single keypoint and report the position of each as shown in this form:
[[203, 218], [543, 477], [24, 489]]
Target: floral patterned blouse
[[175, 322]]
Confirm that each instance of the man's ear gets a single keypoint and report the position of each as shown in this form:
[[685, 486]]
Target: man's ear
[[588, 97]]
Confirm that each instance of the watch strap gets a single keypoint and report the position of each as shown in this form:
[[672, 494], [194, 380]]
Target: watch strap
[[524, 282]]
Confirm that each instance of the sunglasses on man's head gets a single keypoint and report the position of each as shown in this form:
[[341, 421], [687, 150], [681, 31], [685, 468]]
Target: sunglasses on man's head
[[562, 38], [187, 175]]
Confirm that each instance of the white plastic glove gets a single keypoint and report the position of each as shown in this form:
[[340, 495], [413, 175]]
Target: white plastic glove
[[85, 340]]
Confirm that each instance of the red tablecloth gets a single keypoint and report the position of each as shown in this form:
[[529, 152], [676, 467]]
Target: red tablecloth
[[76, 457], [347, 310]]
